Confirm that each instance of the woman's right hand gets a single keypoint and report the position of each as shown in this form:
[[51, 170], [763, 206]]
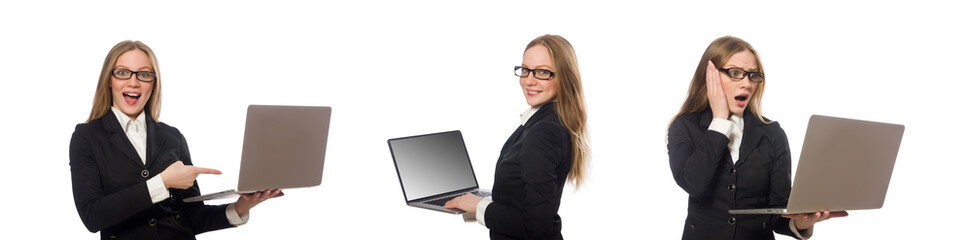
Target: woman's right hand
[[180, 176], [717, 97]]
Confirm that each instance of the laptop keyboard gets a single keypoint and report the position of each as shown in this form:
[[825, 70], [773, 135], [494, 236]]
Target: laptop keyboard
[[440, 201]]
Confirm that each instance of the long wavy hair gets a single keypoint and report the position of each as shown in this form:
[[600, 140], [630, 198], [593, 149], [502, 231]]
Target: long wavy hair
[[103, 99], [570, 104]]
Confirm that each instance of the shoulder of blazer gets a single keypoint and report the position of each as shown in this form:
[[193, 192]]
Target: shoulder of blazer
[[702, 119], [546, 114], [164, 129], [93, 126], [773, 131]]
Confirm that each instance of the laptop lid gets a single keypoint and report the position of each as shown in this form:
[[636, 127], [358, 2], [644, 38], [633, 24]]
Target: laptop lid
[[283, 147], [432, 164], [845, 164]]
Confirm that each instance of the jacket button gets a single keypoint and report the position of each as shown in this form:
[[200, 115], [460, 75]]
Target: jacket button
[[765, 225], [692, 226], [732, 187], [145, 173], [152, 222], [732, 220], [732, 171]]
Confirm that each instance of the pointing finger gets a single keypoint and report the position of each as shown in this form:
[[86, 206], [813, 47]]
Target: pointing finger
[[202, 170]]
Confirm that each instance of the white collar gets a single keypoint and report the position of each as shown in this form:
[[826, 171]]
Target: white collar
[[125, 121], [528, 113], [736, 120]]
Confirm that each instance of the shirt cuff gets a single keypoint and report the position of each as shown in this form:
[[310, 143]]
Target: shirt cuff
[[481, 210], [235, 218], [157, 189], [721, 126], [806, 233]]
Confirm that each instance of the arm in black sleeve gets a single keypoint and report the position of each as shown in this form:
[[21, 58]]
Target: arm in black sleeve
[[98, 210], [694, 159], [534, 216], [780, 180]]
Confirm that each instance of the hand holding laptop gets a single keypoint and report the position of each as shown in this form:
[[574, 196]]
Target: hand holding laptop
[[250, 200], [804, 221], [181, 176]]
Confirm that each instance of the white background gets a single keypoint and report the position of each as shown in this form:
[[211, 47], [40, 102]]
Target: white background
[[392, 69]]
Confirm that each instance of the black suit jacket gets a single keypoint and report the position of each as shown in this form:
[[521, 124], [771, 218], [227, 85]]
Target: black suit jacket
[[702, 166], [530, 176], [110, 192]]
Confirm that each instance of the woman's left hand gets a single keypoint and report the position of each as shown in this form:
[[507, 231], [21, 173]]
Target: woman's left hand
[[467, 202], [805, 221], [250, 200]]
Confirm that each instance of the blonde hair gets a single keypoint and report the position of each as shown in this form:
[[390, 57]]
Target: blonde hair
[[719, 52], [103, 99], [569, 102]]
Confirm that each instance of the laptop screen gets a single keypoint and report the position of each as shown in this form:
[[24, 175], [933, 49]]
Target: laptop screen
[[432, 164]]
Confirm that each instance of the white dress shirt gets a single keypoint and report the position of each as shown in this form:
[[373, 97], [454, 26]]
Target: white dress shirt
[[138, 136], [733, 129]]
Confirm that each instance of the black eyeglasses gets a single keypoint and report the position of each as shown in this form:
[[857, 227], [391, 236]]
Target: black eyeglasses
[[541, 74], [737, 74], [125, 74]]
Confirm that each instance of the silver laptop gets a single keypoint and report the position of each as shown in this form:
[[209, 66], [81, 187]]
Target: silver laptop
[[433, 169], [845, 164], [283, 147]]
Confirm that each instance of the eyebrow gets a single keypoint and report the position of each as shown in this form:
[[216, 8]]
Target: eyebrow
[[745, 69], [126, 67], [538, 66]]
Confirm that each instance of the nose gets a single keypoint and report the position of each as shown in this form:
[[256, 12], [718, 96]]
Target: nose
[[530, 80], [746, 82], [133, 82]]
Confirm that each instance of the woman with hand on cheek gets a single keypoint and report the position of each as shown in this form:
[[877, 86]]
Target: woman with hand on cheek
[[130, 172], [548, 149], [726, 155]]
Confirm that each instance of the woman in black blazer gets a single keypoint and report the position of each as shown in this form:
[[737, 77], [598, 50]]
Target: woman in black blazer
[[726, 155], [129, 172], [547, 150]]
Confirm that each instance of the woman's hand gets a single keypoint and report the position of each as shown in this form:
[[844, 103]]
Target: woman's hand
[[180, 176], [467, 202], [250, 200], [717, 97], [805, 221]]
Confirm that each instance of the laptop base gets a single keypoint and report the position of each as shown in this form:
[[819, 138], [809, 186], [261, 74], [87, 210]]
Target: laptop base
[[425, 202], [211, 196]]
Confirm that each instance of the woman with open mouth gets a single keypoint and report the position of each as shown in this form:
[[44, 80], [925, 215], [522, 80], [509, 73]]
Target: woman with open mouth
[[726, 155], [130, 172]]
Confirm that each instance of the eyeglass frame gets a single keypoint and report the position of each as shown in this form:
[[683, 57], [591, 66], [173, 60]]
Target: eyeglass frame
[[134, 73], [516, 71], [748, 74]]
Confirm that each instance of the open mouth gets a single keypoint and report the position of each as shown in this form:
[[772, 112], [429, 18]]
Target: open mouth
[[741, 99], [533, 92], [131, 98]]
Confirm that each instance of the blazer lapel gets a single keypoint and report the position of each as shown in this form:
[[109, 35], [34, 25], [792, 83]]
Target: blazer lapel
[[752, 134], [119, 139], [154, 141]]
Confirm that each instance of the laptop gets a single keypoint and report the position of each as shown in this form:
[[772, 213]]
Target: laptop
[[433, 169], [283, 147], [845, 165]]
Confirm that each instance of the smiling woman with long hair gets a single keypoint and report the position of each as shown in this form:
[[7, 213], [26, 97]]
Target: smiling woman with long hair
[[549, 148]]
